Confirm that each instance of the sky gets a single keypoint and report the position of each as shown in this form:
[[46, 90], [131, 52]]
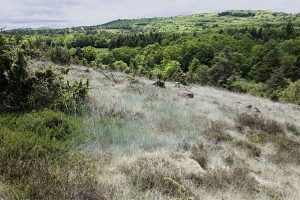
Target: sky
[[69, 13]]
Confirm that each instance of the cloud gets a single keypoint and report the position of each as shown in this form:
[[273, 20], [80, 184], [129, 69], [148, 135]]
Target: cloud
[[64, 13]]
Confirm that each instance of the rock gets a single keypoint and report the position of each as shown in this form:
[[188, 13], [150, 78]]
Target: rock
[[134, 81], [177, 84], [188, 95], [160, 84], [253, 109], [86, 70], [256, 110]]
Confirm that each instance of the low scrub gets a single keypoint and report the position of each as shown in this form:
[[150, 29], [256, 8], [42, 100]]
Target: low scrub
[[219, 179], [37, 161], [293, 128], [163, 172], [216, 132], [259, 123], [200, 155], [288, 151]]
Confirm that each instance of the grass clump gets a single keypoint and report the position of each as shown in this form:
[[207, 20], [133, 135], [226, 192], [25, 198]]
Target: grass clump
[[199, 154], [258, 138], [163, 172], [253, 150], [222, 180], [216, 132], [181, 190], [292, 128]]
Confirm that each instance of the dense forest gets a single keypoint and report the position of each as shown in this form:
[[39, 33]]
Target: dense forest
[[256, 52]]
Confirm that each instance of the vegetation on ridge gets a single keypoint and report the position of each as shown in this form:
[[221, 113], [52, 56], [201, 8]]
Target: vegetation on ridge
[[62, 137]]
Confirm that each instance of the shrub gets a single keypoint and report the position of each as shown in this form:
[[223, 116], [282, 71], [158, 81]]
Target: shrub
[[120, 65], [38, 166], [172, 71], [216, 132], [50, 91], [247, 120], [60, 55], [200, 155], [255, 122], [157, 72], [273, 127], [45, 88], [288, 151], [241, 85], [51, 124], [238, 178], [160, 171], [292, 93]]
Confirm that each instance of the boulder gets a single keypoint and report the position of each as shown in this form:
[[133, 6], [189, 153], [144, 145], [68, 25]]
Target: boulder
[[160, 84], [188, 95]]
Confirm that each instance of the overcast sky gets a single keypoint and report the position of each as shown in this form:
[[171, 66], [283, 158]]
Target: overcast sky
[[66, 13]]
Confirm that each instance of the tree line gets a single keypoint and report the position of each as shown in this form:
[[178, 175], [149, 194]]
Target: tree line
[[262, 60]]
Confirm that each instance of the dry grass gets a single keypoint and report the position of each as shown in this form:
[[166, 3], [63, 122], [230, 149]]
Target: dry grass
[[200, 155], [146, 141], [216, 131], [253, 150], [288, 151], [238, 178], [256, 122]]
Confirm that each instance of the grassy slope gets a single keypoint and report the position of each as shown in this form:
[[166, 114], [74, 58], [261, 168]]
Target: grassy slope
[[202, 21], [153, 143]]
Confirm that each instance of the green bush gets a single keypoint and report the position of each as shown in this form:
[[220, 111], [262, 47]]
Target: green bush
[[292, 93], [37, 160], [60, 55], [50, 124], [244, 86], [49, 90], [172, 70], [120, 65]]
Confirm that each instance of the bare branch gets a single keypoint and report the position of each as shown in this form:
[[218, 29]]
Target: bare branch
[[113, 77]]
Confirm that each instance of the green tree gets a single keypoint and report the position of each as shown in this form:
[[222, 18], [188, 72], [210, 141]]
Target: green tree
[[172, 70], [289, 29], [5, 64], [173, 52], [292, 93], [271, 63], [293, 72], [222, 69], [277, 80], [60, 55]]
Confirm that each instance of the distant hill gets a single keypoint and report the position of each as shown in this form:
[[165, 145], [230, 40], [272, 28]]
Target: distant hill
[[233, 18], [195, 22]]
